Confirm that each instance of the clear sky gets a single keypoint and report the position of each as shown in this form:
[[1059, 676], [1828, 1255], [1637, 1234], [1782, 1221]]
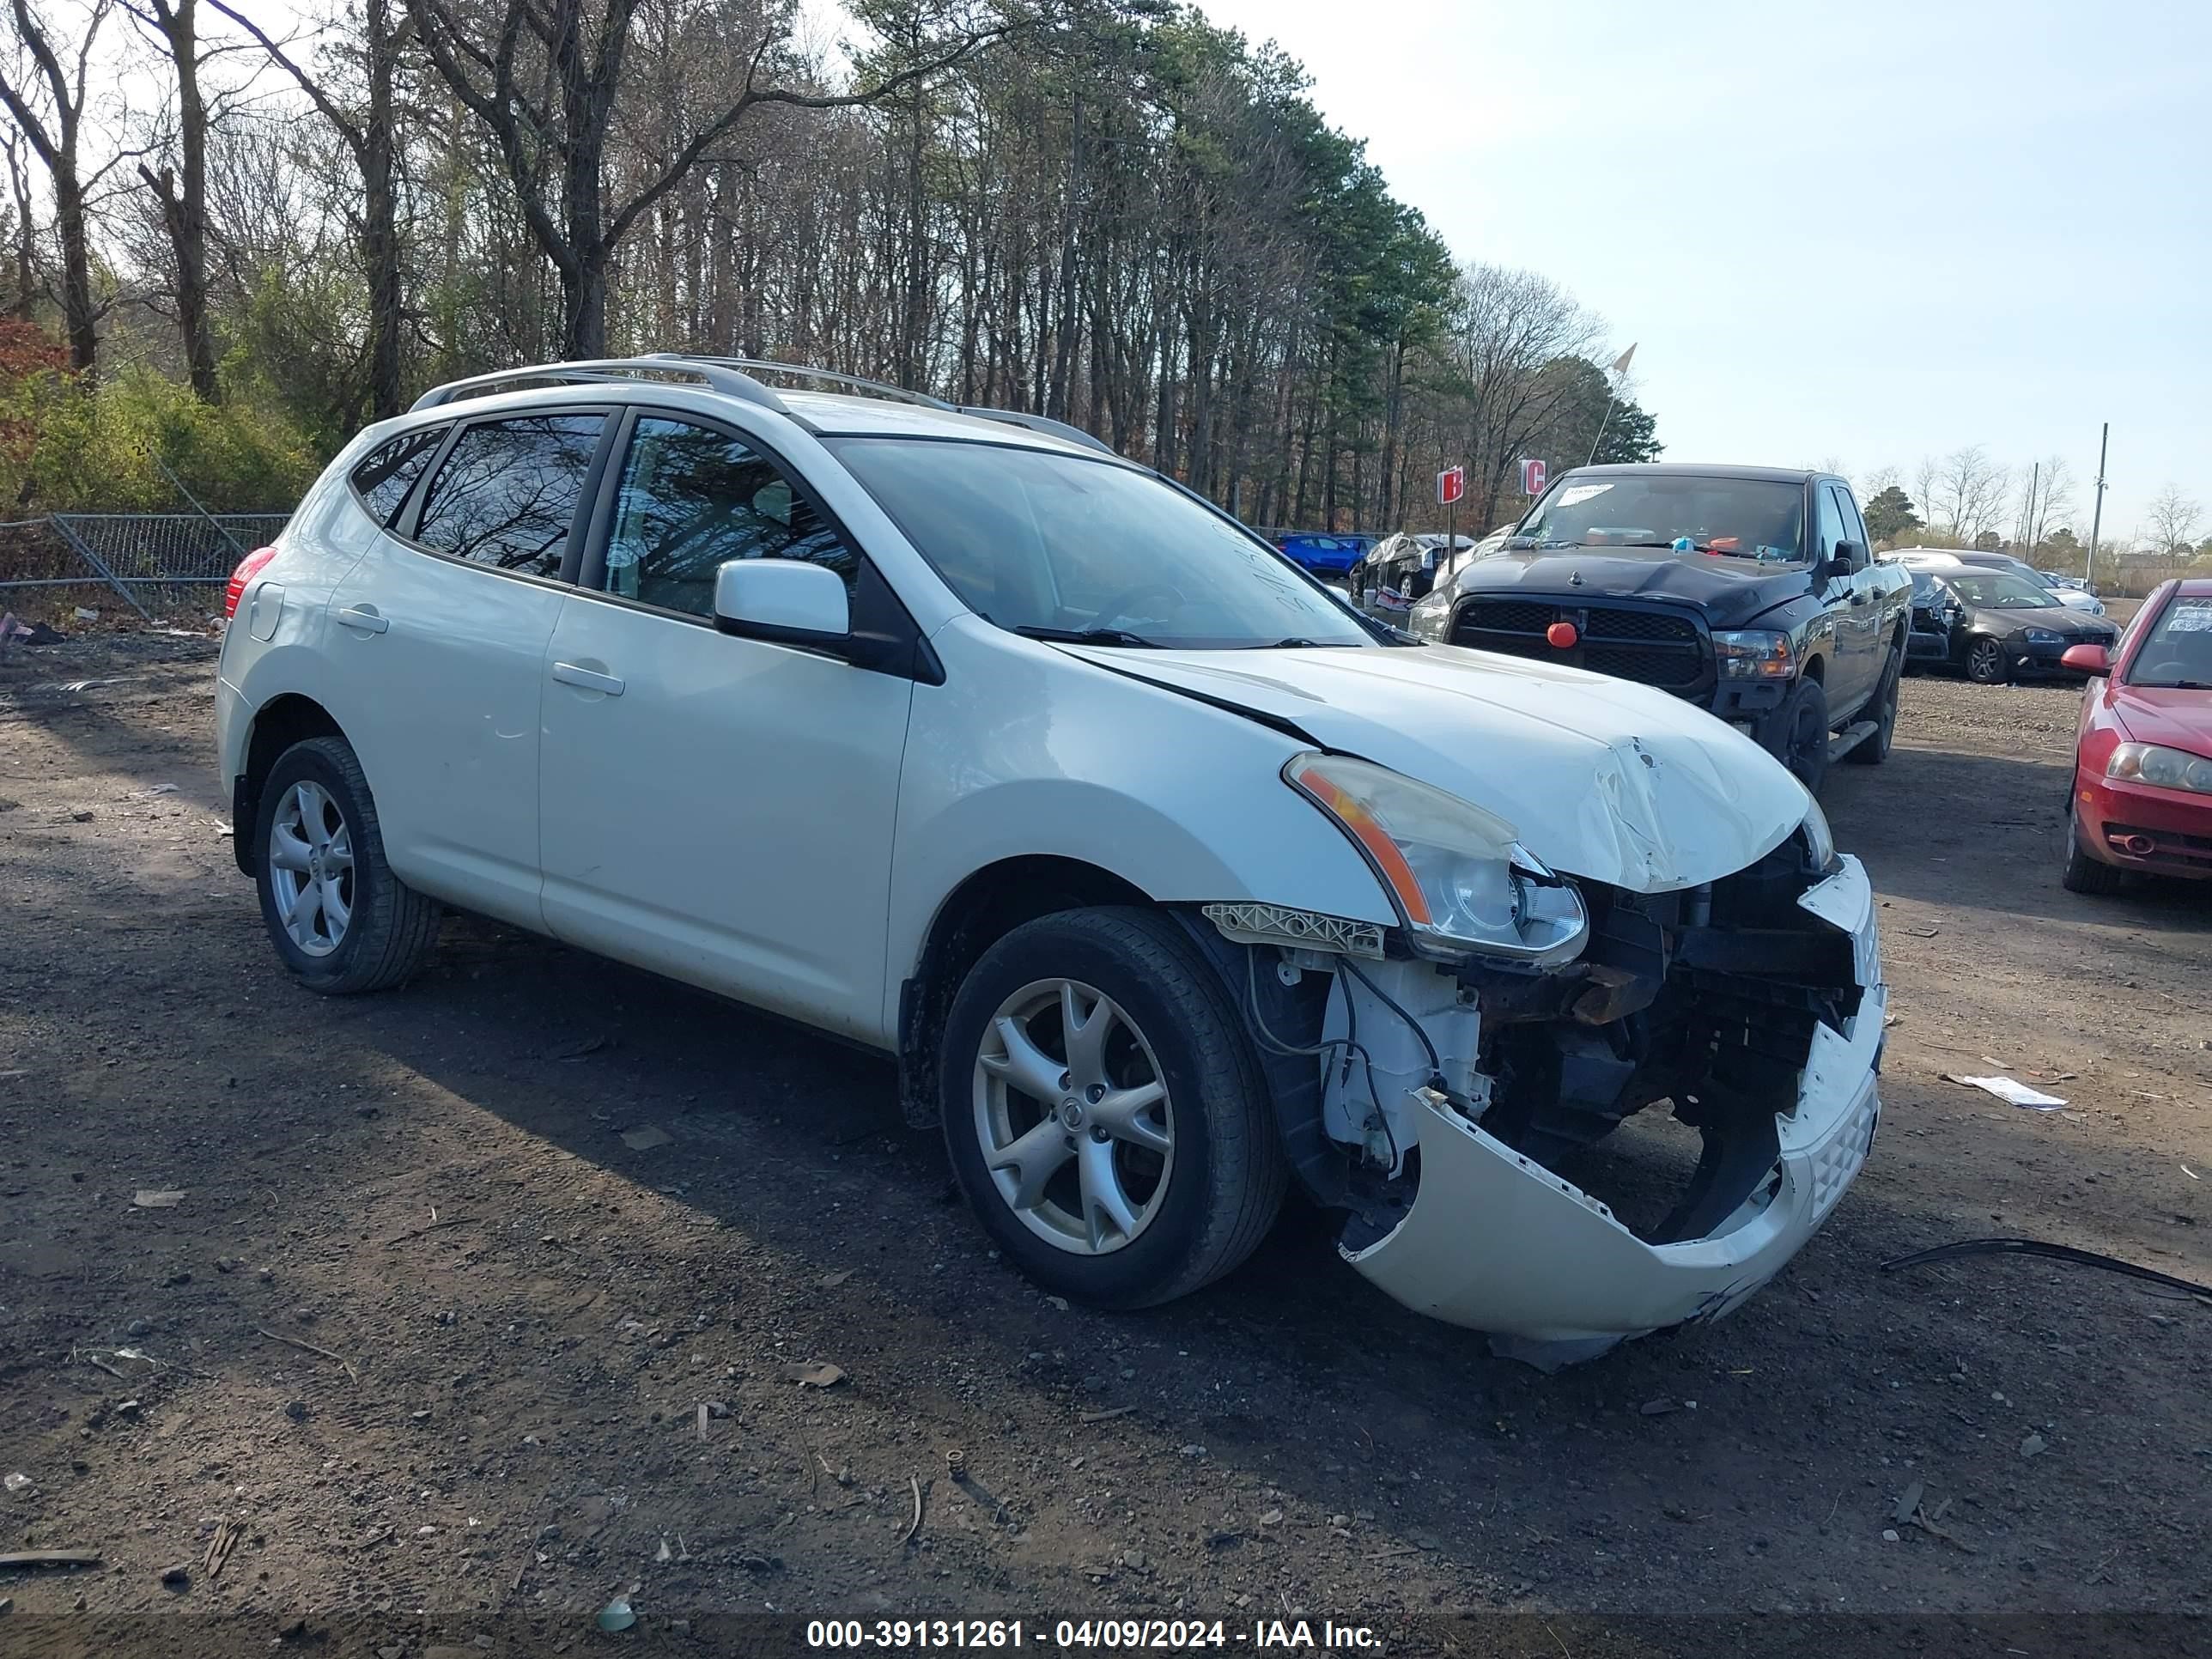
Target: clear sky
[[1868, 231]]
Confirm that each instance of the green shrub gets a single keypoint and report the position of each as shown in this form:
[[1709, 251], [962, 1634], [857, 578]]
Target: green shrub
[[94, 450]]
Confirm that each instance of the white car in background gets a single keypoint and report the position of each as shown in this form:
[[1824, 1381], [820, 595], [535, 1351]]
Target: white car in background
[[1169, 880]]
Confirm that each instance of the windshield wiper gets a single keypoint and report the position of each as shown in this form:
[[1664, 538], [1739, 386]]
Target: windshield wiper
[[1299, 643], [1084, 635], [2173, 685]]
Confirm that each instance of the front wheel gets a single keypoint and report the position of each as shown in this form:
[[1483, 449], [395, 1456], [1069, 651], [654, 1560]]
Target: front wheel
[[338, 917], [1801, 728], [1985, 662], [2082, 873], [1103, 1111]]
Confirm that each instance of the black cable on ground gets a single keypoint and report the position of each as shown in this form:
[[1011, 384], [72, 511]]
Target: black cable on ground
[[1965, 1247]]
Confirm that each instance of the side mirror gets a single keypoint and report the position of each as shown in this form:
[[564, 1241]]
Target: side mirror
[[2087, 659], [789, 601], [1837, 568]]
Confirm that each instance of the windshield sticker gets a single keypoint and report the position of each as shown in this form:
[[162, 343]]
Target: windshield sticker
[[2190, 617], [1576, 494]]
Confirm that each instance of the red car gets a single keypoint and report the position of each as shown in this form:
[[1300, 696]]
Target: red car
[[2142, 760]]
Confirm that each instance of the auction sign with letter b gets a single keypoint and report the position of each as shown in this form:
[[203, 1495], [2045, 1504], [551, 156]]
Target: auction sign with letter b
[[1451, 484]]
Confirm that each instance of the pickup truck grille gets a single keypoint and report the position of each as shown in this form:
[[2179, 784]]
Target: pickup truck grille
[[1653, 647]]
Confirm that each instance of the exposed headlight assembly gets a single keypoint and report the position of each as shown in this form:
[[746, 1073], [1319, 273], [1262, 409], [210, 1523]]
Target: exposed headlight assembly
[[1462, 883], [2169, 769], [2044, 636]]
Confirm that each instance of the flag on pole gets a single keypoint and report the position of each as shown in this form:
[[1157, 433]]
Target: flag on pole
[[1620, 363]]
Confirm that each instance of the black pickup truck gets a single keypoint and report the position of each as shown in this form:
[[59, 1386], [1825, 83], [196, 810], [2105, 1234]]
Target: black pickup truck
[[1748, 591]]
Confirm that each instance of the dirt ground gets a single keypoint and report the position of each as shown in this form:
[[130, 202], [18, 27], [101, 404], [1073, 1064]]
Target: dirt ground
[[433, 1322]]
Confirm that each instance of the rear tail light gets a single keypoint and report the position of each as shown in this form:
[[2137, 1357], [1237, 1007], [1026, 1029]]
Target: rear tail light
[[248, 568]]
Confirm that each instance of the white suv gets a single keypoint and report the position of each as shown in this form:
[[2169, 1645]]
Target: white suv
[[1168, 878]]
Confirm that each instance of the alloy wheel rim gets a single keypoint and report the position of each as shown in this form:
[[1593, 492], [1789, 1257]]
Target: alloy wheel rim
[[1986, 657], [311, 868], [1073, 1116]]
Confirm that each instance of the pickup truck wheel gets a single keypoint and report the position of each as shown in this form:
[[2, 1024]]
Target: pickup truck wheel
[[340, 920], [1801, 734], [1985, 662], [1874, 750], [1103, 1111], [2084, 874]]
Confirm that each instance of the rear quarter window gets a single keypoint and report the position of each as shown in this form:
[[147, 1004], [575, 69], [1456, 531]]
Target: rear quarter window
[[385, 478]]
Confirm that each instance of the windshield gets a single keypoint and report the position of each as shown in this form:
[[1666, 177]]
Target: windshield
[[2178, 650], [1996, 590], [1041, 542], [1751, 517]]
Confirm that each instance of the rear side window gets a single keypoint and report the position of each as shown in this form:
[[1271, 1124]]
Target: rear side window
[[383, 481], [506, 494]]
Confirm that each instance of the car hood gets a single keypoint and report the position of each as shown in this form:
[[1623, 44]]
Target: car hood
[[2165, 714], [1603, 779], [1730, 591]]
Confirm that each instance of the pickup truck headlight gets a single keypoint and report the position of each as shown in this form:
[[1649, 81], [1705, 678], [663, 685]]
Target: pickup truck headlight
[[1462, 883], [1431, 614], [2169, 769], [1753, 653]]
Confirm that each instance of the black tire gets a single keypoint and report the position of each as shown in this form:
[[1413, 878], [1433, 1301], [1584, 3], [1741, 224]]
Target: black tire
[[1224, 1184], [391, 928], [1875, 750], [1986, 661], [2084, 874], [1799, 735]]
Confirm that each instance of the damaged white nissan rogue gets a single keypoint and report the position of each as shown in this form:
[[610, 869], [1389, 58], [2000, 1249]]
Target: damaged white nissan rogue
[[1168, 878]]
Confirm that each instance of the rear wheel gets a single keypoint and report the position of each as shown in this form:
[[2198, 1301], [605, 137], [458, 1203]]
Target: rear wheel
[[1103, 1111], [1874, 750], [338, 917], [2085, 874], [1985, 662]]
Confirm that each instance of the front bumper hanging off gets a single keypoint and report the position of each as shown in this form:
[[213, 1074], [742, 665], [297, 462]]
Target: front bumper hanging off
[[1496, 1241]]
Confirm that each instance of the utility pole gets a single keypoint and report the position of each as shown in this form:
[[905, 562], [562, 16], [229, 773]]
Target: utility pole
[[2097, 518], [2028, 528]]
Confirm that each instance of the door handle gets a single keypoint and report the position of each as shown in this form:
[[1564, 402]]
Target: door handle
[[360, 617], [568, 674]]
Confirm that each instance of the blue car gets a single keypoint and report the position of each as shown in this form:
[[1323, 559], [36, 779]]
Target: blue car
[[1326, 556]]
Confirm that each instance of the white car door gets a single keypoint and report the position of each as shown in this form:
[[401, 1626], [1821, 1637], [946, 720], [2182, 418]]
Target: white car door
[[715, 808], [436, 655]]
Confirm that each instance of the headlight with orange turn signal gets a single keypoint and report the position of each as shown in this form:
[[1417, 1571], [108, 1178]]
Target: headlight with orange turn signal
[[1463, 883], [2169, 769]]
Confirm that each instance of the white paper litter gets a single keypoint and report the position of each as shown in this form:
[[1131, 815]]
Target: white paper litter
[[2018, 1093]]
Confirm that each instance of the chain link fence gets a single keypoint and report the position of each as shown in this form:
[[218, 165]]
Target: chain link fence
[[162, 566]]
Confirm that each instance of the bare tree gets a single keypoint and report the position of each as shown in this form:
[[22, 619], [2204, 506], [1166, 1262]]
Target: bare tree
[[2047, 498], [49, 108], [2171, 526], [368, 135], [181, 191], [1967, 492], [544, 85]]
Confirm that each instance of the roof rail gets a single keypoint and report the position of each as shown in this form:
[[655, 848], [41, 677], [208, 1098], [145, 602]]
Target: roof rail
[[859, 383], [603, 371], [1044, 423], [810, 372]]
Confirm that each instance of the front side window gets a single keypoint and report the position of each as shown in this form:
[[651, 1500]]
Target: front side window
[[385, 478], [2178, 650], [508, 492], [1749, 518], [1833, 530], [691, 499], [1046, 543]]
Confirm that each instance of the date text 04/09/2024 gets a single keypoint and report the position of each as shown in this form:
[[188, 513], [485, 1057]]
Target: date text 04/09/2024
[[1102, 1634]]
